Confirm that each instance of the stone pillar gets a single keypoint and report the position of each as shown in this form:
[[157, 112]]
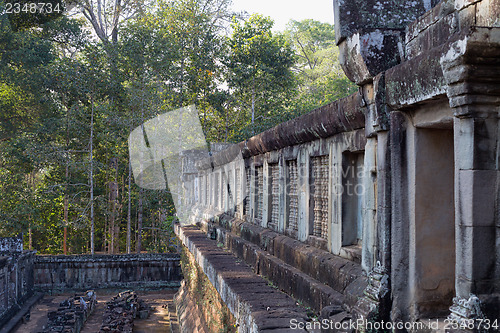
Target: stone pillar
[[304, 193], [282, 195], [209, 189], [400, 217], [253, 192], [267, 196], [369, 205], [472, 72], [383, 200], [234, 205], [336, 190], [242, 186]]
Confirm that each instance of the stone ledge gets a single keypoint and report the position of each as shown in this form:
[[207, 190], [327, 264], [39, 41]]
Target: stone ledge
[[289, 279], [344, 276], [256, 306]]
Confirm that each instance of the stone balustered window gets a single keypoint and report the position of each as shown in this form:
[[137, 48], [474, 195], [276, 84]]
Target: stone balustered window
[[216, 185], [274, 172], [259, 176], [237, 188], [224, 191], [248, 192], [320, 173], [205, 190], [230, 192], [293, 209]]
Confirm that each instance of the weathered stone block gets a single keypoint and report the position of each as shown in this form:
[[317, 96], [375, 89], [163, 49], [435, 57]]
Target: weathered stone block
[[460, 4], [488, 13], [476, 143], [477, 194], [431, 30], [363, 55], [351, 16], [475, 264]]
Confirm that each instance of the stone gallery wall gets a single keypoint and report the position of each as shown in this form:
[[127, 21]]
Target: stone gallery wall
[[83, 272], [401, 178], [16, 277]]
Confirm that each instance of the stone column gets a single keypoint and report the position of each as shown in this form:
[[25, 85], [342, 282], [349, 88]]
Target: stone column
[[242, 185], [282, 195], [253, 192], [221, 190], [472, 72], [304, 194], [400, 217], [335, 205], [267, 196], [369, 205]]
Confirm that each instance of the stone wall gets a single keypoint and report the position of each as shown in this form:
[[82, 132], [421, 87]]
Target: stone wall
[[83, 272], [401, 178], [199, 306], [16, 278]]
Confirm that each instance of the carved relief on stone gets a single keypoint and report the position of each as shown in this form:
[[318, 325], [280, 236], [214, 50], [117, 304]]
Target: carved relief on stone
[[259, 173], [248, 193], [466, 313], [216, 194], [373, 306], [275, 194], [224, 190], [237, 186], [293, 214], [320, 172]]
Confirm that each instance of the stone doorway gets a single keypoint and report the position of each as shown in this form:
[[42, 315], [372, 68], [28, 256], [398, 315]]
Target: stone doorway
[[432, 233]]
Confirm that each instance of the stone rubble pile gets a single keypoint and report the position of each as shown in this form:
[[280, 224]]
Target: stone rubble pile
[[71, 314], [121, 311]]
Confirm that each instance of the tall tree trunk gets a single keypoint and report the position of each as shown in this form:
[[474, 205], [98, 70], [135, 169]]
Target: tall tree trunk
[[139, 224], [66, 178], [129, 231], [66, 204], [92, 226], [253, 103], [30, 231], [113, 196]]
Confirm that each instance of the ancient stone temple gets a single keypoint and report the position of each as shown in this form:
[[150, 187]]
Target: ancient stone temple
[[383, 205]]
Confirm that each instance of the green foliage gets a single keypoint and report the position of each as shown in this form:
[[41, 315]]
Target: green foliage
[[259, 73], [321, 79], [54, 74]]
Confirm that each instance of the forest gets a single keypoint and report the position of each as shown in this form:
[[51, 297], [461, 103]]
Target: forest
[[75, 81]]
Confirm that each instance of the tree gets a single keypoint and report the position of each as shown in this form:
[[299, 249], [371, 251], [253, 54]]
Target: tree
[[259, 63], [320, 76]]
